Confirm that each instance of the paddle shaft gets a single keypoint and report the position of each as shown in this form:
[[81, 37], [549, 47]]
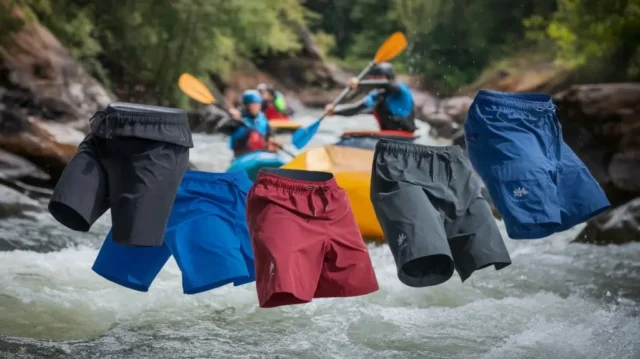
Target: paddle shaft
[[344, 92]]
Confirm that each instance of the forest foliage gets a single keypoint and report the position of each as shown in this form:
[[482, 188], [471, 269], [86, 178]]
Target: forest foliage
[[131, 44]]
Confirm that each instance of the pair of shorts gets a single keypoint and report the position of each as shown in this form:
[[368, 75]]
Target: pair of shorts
[[132, 161], [536, 181], [432, 213], [207, 235], [305, 239]]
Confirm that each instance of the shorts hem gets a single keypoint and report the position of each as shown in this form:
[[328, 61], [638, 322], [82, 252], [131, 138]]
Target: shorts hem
[[585, 215], [427, 281], [351, 293], [293, 296], [122, 282], [534, 234], [64, 220], [498, 263], [196, 289]]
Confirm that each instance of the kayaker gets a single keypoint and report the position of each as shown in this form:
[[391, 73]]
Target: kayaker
[[390, 100], [255, 134], [274, 105]]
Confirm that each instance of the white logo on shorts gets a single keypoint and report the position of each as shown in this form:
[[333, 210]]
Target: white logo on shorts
[[272, 266], [402, 240], [520, 192]]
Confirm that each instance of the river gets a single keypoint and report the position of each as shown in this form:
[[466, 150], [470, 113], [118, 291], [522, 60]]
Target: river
[[557, 300]]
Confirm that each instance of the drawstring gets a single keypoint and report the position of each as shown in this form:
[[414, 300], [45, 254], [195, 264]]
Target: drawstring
[[321, 192], [446, 158]]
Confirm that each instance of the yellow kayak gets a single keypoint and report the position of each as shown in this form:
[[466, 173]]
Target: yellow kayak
[[284, 126], [352, 170]]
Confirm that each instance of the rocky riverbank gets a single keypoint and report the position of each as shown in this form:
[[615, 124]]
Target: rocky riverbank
[[46, 99]]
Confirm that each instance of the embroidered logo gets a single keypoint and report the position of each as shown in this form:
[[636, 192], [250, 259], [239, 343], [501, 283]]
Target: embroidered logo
[[272, 266], [520, 192], [402, 240]]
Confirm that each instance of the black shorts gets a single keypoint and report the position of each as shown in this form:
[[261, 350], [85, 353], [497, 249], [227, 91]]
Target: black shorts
[[432, 213], [132, 161]]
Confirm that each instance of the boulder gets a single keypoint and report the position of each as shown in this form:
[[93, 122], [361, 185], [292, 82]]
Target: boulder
[[13, 167], [37, 73], [522, 73], [46, 97], [618, 226], [46, 144], [601, 123], [446, 116]]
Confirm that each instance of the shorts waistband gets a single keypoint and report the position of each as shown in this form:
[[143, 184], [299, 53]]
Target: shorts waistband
[[391, 146], [201, 176], [297, 180], [143, 114], [516, 101]]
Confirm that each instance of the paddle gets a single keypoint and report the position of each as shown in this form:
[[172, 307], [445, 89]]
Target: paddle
[[393, 46], [195, 89]]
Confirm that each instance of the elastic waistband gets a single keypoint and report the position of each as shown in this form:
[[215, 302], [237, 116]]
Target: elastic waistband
[[212, 177], [132, 112], [297, 180], [391, 146], [517, 101]]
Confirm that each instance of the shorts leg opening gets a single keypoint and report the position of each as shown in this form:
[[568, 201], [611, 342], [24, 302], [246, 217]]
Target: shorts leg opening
[[427, 271], [68, 216], [216, 284], [127, 283], [282, 298]]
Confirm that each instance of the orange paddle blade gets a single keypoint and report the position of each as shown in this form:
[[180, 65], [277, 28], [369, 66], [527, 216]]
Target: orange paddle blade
[[393, 46], [195, 89]]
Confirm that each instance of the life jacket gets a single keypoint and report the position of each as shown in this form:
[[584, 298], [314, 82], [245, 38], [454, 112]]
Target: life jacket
[[395, 111], [272, 113], [252, 141]]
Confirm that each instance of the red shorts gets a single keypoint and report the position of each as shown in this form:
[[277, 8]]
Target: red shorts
[[305, 239]]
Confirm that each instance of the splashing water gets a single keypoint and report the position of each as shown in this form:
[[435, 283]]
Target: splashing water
[[557, 300]]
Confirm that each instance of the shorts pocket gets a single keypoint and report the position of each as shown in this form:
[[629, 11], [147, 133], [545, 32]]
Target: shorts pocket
[[525, 192]]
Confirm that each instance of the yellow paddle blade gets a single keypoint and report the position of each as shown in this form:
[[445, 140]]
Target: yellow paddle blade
[[195, 89], [391, 47]]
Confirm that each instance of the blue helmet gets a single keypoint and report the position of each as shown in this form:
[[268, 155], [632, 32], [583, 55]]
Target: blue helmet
[[251, 96]]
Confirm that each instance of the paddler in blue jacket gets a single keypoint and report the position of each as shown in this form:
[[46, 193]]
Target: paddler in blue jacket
[[249, 130], [391, 101]]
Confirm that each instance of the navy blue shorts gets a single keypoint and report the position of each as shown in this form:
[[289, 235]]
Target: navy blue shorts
[[536, 181], [207, 235]]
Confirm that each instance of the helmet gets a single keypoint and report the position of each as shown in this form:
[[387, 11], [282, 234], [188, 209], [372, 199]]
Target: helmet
[[251, 96], [384, 69], [262, 87]]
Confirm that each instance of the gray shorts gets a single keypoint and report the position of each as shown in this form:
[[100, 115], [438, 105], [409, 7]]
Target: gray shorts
[[132, 161], [432, 213]]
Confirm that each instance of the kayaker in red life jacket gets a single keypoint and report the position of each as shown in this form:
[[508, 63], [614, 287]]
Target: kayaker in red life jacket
[[256, 132], [391, 101], [274, 105]]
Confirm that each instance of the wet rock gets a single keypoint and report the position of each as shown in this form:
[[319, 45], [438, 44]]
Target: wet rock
[[46, 98], [47, 144], [38, 74], [520, 74], [206, 119], [618, 226], [13, 202], [446, 116], [13, 167], [601, 123]]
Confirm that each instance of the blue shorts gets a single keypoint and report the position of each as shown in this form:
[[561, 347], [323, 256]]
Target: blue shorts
[[536, 181], [207, 235]]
